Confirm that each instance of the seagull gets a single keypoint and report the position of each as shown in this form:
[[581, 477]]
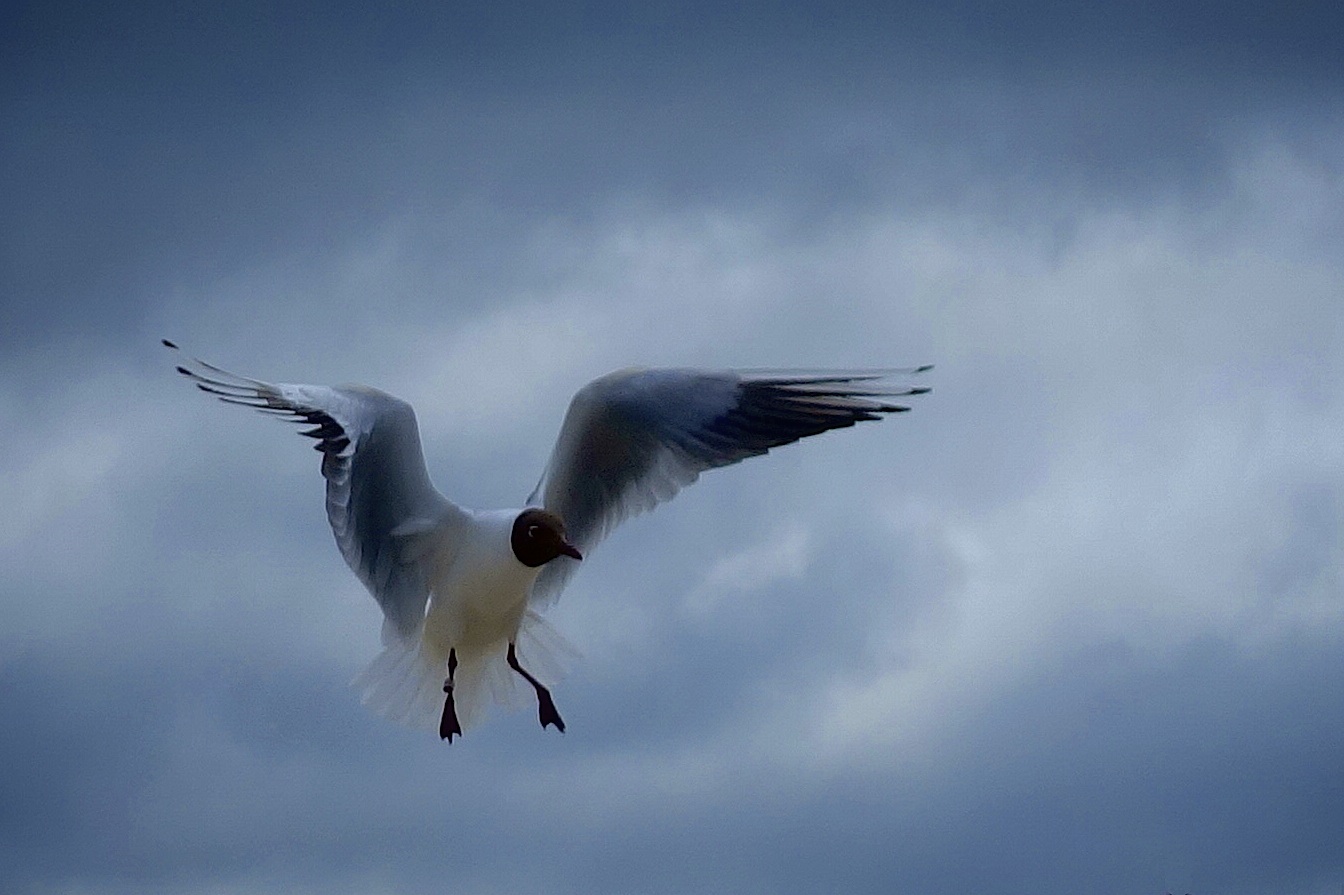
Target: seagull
[[459, 587]]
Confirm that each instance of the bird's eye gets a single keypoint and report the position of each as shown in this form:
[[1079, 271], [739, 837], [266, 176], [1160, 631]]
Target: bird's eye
[[533, 530]]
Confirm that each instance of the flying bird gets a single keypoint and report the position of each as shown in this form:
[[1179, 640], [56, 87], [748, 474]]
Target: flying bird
[[459, 588]]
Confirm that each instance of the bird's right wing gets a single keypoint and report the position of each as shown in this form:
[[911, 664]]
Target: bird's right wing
[[380, 501], [632, 439]]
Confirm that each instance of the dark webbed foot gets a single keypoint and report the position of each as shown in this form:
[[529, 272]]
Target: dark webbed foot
[[546, 710], [448, 726], [545, 705]]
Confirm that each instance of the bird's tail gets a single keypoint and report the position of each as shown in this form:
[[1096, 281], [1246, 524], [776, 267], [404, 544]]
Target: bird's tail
[[404, 682]]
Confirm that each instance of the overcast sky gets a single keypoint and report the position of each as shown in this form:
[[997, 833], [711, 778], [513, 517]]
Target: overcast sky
[[1074, 624]]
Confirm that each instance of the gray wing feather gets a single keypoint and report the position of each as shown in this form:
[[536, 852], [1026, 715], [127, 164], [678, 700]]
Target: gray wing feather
[[379, 496], [634, 438]]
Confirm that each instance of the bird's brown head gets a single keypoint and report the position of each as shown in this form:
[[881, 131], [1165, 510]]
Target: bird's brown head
[[539, 537]]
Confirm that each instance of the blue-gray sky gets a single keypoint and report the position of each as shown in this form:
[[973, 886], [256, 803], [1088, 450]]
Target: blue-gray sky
[[1075, 624]]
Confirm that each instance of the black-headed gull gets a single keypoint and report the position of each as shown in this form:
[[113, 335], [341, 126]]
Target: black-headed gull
[[460, 587]]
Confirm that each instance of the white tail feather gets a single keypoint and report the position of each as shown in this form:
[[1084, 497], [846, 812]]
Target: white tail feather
[[404, 682]]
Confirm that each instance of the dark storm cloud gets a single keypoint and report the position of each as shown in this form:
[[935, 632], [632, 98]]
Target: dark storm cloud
[[247, 50], [160, 147], [1211, 780]]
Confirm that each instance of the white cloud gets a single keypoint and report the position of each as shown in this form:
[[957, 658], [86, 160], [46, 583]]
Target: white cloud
[[783, 554]]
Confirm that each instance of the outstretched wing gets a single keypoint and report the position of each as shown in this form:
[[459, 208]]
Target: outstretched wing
[[634, 438], [380, 500]]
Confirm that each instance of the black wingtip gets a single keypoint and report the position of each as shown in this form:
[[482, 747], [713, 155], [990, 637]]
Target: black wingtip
[[923, 368], [922, 390], [184, 371], [168, 344]]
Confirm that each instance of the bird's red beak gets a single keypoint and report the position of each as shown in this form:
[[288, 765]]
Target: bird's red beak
[[569, 549]]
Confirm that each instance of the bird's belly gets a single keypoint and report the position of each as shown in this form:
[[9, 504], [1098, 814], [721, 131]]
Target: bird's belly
[[475, 615]]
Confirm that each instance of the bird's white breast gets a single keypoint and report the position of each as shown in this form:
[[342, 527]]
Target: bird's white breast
[[478, 587]]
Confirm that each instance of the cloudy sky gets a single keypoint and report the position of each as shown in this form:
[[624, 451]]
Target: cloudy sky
[[1075, 624]]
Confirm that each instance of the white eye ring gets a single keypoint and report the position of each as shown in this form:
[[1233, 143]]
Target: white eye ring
[[533, 530]]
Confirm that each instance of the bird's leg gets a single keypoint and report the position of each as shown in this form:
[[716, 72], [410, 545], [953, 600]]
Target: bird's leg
[[545, 705], [448, 725]]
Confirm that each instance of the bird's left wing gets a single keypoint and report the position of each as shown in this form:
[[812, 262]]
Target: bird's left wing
[[632, 439], [380, 501]]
